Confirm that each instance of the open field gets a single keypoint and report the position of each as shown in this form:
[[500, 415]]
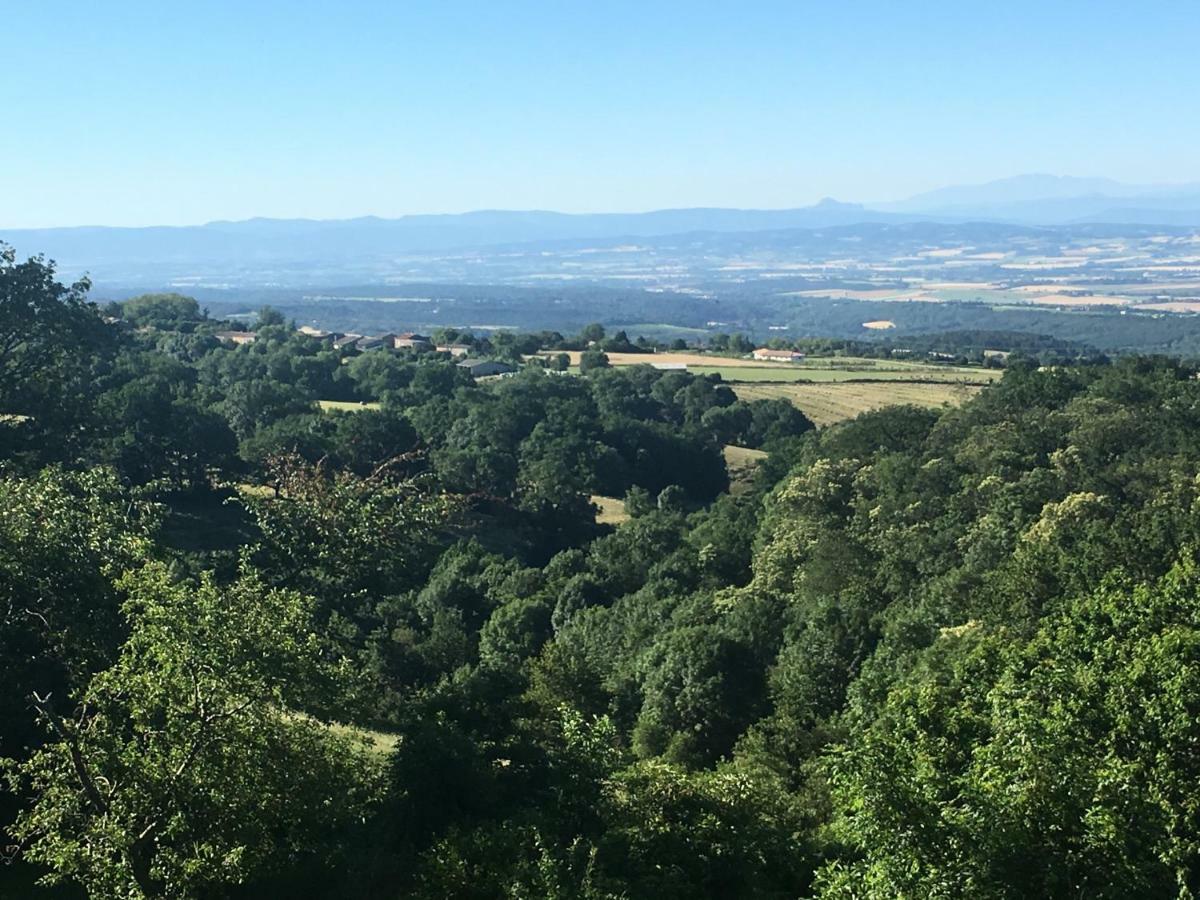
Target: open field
[[687, 359], [817, 369], [925, 374], [345, 405], [826, 404], [741, 463], [611, 510]]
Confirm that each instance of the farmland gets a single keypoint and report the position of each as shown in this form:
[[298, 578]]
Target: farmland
[[801, 374], [827, 403], [826, 389], [816, 369]]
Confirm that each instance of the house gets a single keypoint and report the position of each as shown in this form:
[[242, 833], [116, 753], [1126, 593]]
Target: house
[[236, 337], [480, 368], [347, 341], [380, 342], [453, 349], [317, 334], [767, 353], [410, 340]]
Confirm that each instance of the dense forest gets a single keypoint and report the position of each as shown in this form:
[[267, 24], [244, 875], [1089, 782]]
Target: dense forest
[[254, 647]]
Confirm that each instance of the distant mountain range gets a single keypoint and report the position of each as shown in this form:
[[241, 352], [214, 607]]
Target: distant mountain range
[[1057, 200], [258, 244]]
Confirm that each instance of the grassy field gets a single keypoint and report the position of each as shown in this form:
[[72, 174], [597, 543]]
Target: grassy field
[[931, 374], [611, 510], [741, 463], [829, 403], [344, 405], [820, 369]]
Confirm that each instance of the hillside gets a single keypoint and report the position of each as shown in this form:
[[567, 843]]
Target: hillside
[[625, 632]]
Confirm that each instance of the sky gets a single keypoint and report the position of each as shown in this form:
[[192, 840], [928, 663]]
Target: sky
[[118, 112]]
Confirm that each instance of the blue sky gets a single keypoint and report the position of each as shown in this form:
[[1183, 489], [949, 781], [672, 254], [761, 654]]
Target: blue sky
[[130, 113]]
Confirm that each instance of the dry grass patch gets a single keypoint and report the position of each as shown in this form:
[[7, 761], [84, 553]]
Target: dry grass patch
[[610, 510], [345, 405]]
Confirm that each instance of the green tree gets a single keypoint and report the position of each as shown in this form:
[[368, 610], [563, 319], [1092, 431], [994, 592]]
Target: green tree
[[1061, 766], [168, 312], [269, 315], [591, 333], [47, 330], [187, 764], [590, 360]]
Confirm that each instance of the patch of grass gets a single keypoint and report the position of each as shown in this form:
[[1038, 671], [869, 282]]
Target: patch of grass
[[345, 405], [380, 743], [832, 402], [741, 463], [255, 490], [611, 510]]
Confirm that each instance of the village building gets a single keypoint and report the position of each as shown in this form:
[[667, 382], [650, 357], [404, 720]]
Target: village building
[[317, 334], [379, 342], [766, 353], [410, 340], [480, 368], [236, 337], [454, 349]]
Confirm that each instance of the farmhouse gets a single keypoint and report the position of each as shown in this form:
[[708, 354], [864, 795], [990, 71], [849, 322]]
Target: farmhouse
[[766, 353], [236, 337], [409, 340], [483, 367], [347, 341], [453, 349]]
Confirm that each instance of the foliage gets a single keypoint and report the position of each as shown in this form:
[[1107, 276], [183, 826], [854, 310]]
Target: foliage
[[184, 765], [921, 652]]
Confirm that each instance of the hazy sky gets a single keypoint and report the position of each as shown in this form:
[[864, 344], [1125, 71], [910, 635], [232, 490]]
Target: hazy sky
[[121, 112]]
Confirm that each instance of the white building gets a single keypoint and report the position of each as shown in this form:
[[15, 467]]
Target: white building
[[766, 353]]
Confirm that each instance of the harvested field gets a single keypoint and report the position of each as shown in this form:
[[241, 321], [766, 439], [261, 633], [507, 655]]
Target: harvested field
[[932, 374], [687, 359], [826, 404]]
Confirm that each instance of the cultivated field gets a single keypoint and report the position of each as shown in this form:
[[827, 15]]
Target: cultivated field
[[829, 403], [799, 374], [820, 369], [687, 359]]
